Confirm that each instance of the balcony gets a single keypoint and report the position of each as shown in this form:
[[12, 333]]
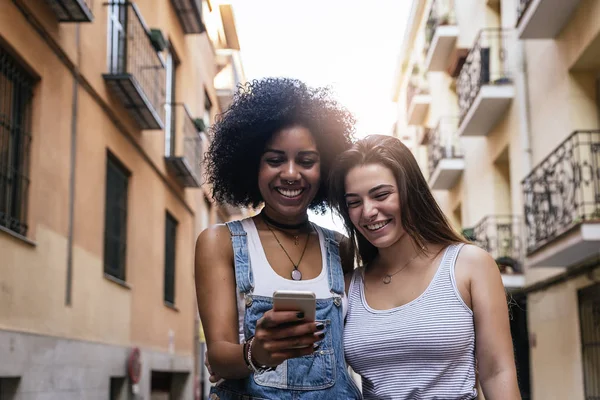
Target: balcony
[[72, 10], [500, 235], [189, 13], [136, 71], [484, 85], [229, 78], [543, 19], [446, 163], [418, 101], [423, 134], [185, 164], [441, 33], [562, 203]]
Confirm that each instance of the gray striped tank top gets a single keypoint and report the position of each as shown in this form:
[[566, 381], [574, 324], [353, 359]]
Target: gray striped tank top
[[424, 349]]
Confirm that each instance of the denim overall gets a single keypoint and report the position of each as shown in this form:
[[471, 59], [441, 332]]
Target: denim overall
[[321, 375]]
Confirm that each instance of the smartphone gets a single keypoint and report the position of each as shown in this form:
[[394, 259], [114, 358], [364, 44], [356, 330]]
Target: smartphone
[[296, 300]]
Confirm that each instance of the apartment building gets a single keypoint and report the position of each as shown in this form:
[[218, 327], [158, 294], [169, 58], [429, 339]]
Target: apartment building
[[104, 109], [500, 102]]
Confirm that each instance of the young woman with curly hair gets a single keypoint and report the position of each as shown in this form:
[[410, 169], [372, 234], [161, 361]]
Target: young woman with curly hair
[[426, 310], [274, 146]]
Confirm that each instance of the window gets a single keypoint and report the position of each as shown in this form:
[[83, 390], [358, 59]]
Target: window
[[171, 112], [115, 218], [589, 320], [170, 241], [207, 108], [16, 92], [118, 37]]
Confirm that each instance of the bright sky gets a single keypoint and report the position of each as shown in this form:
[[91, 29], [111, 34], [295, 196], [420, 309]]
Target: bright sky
[[350, 45]]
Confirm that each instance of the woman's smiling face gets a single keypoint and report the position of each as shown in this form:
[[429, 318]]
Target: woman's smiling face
[[374, 204], [290, 172]]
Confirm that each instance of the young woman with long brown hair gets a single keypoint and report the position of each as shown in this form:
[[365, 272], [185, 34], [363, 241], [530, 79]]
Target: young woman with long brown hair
[[426, 310]]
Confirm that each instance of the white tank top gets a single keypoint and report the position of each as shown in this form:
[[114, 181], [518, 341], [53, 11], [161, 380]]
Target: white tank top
[[267, 281]]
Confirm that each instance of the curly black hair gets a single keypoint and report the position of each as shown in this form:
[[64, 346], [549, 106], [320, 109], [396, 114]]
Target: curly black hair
[[259, 109]]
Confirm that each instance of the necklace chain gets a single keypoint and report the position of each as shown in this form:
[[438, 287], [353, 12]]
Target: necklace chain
[[387, 278], [296, 275]]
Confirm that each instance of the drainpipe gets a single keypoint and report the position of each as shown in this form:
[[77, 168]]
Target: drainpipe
[[522, 94], [73, 159]]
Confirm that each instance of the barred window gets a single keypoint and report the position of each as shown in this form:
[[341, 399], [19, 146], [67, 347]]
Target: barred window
[[16, 92], [115, 218], [170, 241]]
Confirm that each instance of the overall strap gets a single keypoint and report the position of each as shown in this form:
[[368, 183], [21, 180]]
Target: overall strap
[[335, 275], [243, 272]]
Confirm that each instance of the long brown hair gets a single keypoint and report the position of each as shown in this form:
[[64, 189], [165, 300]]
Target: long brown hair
[[421, 217]]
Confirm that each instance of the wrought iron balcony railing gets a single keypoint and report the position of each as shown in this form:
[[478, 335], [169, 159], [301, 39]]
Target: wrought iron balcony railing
[[189, 13], [185, 164], [563, 190], [136, 70], [443, 142], [500, 235], [441, 13], [488, 63], [72, 10], [522, 9]]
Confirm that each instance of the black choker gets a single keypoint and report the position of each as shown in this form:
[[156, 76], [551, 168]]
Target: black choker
[[279, 225]]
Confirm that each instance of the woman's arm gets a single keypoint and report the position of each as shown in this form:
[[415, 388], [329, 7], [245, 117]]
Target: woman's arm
[[275, 339], [217, 303], [493, 342]]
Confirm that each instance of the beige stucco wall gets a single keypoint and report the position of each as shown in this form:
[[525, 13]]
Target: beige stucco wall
[[33, 277], [562, 99], [556, 89], [556, 341], [488, 195]]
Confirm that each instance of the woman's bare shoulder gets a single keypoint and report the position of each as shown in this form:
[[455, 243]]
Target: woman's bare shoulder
[[214, 244]]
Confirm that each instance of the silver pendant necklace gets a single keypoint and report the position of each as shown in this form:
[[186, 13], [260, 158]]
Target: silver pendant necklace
[[387, 278], [296, 274]]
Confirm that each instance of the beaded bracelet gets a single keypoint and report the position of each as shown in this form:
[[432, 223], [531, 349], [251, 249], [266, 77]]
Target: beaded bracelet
[[245, 354], [261, 368]]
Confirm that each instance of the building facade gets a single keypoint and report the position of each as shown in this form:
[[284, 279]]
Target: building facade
[[104, 110], [499, 101]]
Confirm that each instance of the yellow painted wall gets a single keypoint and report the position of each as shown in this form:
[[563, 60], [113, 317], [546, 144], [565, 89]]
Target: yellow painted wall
[[33, 277]]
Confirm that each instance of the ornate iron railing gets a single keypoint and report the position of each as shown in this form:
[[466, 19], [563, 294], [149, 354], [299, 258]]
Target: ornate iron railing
[[488, 63], [443, 142], [563, 190], [522, 9], [500, 235], [441, 13], [133, 56]]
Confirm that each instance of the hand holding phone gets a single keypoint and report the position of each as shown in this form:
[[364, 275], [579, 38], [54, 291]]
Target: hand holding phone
[[296, 300]]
